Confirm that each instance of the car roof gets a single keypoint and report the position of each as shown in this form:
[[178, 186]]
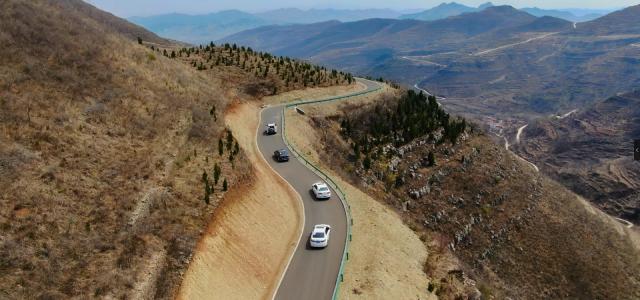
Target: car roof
[[320, 227], [271, 124], [320, 184]]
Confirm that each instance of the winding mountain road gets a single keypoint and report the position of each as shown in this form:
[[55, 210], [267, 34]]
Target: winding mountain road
[[311, 273]]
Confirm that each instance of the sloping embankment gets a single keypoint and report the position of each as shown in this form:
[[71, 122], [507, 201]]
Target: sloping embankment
[[240, 257]]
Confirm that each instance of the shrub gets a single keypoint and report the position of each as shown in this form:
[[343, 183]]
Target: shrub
[[431, 159], [367, 163]]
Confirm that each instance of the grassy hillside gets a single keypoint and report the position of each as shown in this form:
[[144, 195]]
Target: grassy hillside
[[514, 232], [104, 148], [270, 74]]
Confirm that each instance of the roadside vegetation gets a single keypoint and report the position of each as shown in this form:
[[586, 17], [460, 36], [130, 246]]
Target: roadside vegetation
[[273, 74], [398, 122]]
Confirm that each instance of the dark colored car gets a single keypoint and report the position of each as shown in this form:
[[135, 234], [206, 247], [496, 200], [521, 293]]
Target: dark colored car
[[281, 155], [272, 129]]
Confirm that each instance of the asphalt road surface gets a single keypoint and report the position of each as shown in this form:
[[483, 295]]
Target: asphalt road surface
[[312, 273]]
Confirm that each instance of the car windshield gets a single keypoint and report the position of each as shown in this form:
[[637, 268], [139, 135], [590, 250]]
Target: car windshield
[[318, 235], [323, 189], [284, 152]]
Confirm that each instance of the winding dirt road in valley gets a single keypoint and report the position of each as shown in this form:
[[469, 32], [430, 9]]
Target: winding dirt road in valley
[[520, 133]]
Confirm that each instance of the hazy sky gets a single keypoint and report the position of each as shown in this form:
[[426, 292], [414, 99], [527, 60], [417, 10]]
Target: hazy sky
[[127, 8]]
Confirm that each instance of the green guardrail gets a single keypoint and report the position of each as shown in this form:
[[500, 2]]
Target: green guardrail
[[327, 178]]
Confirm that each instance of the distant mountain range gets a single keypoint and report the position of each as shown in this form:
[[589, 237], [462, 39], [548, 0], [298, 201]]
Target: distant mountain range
[[446, 10], [500, 60], [198, 29], [298, 16]]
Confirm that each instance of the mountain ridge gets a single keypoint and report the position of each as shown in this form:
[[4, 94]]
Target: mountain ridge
[[444, 10], [203, 28]]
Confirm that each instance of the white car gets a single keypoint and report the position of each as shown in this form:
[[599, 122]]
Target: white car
[[320, 236], [321, 190]]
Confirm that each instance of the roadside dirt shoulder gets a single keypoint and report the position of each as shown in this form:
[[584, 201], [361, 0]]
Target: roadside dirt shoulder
[[235, 259]]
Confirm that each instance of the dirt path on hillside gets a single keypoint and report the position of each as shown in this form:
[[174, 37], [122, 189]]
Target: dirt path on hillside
[[514, 44], [253, 233], [386, 257]]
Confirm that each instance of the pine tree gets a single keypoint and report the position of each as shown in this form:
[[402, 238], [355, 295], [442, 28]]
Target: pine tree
[[213, 113], [356, 150], [229, 140], [206, 197], [367, 163], [431, 159], [236, 148], [205, 177], [216, 174], [220, 147], [225, 186]]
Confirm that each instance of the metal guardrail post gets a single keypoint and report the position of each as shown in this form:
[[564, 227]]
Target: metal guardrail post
[[343, 196]]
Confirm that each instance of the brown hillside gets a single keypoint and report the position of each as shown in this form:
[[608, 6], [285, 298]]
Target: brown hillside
[[103, 146], [102, 149], [108, 21], [590, 152], [516, 233]]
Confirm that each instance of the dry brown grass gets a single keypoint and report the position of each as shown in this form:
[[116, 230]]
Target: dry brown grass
[[92, 124]]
